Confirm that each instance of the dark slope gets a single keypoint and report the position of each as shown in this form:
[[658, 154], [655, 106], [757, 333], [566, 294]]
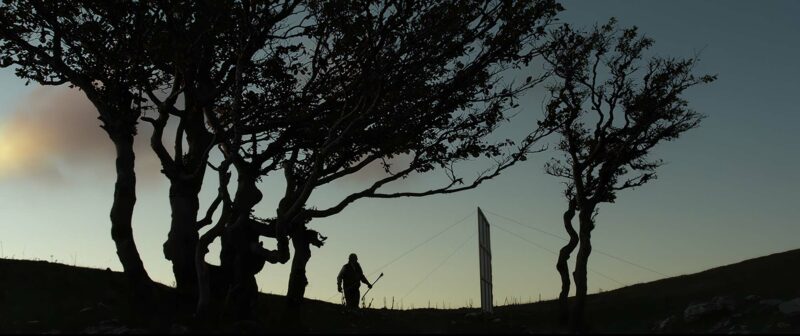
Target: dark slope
[[40, 296]]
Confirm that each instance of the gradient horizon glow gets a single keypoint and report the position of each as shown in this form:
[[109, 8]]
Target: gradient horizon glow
[[728, 192]]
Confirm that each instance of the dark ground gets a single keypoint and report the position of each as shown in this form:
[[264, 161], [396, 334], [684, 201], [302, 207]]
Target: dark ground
[[39, 296]]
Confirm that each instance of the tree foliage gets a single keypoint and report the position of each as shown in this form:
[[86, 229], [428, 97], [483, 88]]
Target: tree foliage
[[95, 46], [611, 109], [367, 81], [350, 84], [609, 127]]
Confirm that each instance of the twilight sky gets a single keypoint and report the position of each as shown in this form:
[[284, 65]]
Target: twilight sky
[[728, 192]]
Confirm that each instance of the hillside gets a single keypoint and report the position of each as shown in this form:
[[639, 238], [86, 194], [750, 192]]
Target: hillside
[[38, 296]]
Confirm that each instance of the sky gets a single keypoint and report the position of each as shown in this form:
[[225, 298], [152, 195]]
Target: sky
[[728, 191]]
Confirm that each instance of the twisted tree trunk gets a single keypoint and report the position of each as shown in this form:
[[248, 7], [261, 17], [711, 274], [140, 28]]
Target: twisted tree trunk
[[186, 181], [203, 311], [562, 264], [236, 257], [581, 267], [122, 213], [293, 313], [206, 278], [297, 276], [242, 256], [181, 245]]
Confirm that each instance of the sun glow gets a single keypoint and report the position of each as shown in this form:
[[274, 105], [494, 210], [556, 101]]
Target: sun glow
[[19, 149]]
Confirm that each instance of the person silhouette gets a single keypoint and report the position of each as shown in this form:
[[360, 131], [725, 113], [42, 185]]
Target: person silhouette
[[352, 276]]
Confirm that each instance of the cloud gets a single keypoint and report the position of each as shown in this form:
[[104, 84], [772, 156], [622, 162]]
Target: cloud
[[53, 134]]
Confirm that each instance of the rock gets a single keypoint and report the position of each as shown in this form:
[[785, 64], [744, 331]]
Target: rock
[[716, 305], [696, 311], [178, 329], [753, 298], [120, 330], [496, 320], [790, 308], [725, 302], [246, 326], [86, 310], [110, 327], [665, 323], [720, 325], [738, 329], [770, 302], [766, 305], [472, 314], [93, 330], [783, 325]]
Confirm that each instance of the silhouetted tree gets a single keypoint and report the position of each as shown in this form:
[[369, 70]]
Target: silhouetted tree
[[95, 46], [564, 253], [610, 111], [363, 83], [191, 50], [198, 49], [209, 294], [302, 240]]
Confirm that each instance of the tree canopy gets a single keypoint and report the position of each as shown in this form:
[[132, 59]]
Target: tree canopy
[[364, 82], [610, 111]]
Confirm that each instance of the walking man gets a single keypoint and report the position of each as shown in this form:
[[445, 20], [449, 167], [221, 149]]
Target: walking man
[[352, 276]]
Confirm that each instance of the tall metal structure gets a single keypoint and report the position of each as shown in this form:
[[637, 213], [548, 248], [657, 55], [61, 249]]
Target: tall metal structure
[[485, 259]]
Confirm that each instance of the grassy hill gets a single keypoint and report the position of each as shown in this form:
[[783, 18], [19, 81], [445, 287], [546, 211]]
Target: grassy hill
[[38, 296]]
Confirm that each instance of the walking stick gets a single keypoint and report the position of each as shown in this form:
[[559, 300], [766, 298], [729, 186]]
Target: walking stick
[[368, 289]]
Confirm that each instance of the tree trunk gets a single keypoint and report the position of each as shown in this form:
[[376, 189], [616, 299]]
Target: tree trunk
[[562, 265], [185, 185], [121, 217], [203, 312], [297, 277], [239, 263], [581, 267], [206, 278], [242, 257], [293, 318], [181, 245], [240, 280]]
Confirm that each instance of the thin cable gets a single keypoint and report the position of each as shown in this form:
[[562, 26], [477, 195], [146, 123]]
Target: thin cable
[[564, 239], [520, 223], [416, 247], [525, 239], [555, 253], [440, 264], [423, 243], [631, 263]]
